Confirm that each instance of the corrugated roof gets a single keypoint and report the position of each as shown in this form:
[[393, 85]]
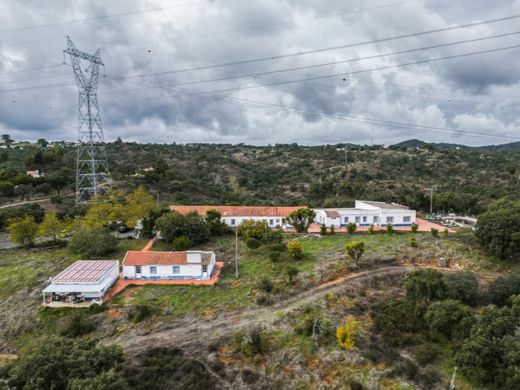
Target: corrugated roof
[[239, 211], [162, 258], [86, 271]]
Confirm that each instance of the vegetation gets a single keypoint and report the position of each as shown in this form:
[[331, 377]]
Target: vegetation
[[355, 250], [23, 230], [346, 333], [301, 219], [425, 285], [92, 243], [295, 248]]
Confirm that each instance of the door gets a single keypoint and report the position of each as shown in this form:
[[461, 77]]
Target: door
[[138, 272], [204, 271]]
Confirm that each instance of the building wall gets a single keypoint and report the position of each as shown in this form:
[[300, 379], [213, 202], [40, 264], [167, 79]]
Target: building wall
[[273, 222], [187, 271], [366, 217]]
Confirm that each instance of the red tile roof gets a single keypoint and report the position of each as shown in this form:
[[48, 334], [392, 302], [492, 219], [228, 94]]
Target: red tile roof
[[239, 211], [162, 258], [86, 271]]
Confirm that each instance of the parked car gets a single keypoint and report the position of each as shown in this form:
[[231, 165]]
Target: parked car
[[123, 229]]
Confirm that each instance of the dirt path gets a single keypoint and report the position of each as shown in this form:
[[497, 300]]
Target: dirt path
[[196, 334]]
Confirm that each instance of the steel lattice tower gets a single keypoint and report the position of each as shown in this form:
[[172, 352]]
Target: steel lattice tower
[[92, 173]]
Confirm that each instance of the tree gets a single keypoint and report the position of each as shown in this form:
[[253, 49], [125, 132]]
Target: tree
[[191, 225], [23, 230], [301, 219], [6, 188], [139, 204], [449, 318], [42, 142], [355, 250], [6, 138], [290, 273], [497, 230], [425, 285], [351, 228], [23, 190], [51, 226], [253, 243], [389, 228], [217, 226], [182, 243], [295, 248], [92, 243], [254, 229], [462, 286], [503, 288]]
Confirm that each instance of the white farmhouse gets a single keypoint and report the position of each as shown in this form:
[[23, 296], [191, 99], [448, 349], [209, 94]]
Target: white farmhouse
[[366, 213], [82, 283], [235, 215], [168, 265]]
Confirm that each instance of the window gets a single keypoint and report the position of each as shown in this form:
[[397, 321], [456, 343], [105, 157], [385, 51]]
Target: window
[[232, 222], [271, 222], [153, 270], [176, 269], [389, 219], [407, 219], [204, 268], [277, 220], [358, 219], [365, 219], [137, 269], [376, 219], [346, 219]]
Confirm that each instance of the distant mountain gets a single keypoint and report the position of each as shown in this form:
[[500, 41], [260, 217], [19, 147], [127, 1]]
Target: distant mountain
[[417, 143], [512, 146]]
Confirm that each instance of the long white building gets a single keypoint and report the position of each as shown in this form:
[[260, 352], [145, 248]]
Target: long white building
[[168, 265], [366, 213]]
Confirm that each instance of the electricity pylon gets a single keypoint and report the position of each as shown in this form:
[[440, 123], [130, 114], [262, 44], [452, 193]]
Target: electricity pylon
[[92, 173]]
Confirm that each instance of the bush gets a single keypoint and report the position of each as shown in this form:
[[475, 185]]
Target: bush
[[249, 342], [290, 273], [425, 354], [395, 318], [351, 228], [462, 286], [355, 250], [253, 243], [139, 313], [346, 333], [191, 225], [449, 319], [371, 229], [503, 288], [255, 229], [275, 256], [425, 285], [413, 242], [278, 247], [23, 230], [92, 243], [332, 230], [389, 228], [414, 227], [265, 285], [295, 248], [323, 230], [77, 325], [435, 232], [182, 243]]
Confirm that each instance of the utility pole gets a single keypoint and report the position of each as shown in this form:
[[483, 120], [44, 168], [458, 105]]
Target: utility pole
[[92, 174], [431, 199], [236, 252]]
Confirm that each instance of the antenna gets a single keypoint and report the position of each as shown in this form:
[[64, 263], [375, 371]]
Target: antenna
[[92, 173]]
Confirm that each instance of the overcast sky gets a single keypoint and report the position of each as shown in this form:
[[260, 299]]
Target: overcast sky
[[472, 100]]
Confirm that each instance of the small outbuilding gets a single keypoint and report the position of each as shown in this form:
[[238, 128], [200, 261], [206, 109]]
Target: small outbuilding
[[82, 283], [197, 265]]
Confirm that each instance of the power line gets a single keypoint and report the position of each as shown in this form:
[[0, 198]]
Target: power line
[[385, 67], [128, 13], [349, 45]]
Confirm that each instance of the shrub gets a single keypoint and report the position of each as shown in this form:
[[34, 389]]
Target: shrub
[[413, 242], [394, 318], [254, 229], [313, 325], [332, 230], [278, 247], [191, 225], [449, 319], [355, 250], [253, 243], [351, 228], [435, 232], [290, 273], [295, 248], [265, 285], [462, 286], [77, 325], [371, 229], [389, 228], [503, 288], [92, 242], [346, 333], [414, 227], [249, 342], [23, 230], [275, 256], [425, 354], [139, 313], [182, 243], [323, 230], [425, 285]]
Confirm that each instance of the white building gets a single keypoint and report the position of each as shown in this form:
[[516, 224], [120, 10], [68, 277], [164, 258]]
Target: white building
[[168, 265], [35, 174], [235, 215], [82, 283], [366, 213]]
